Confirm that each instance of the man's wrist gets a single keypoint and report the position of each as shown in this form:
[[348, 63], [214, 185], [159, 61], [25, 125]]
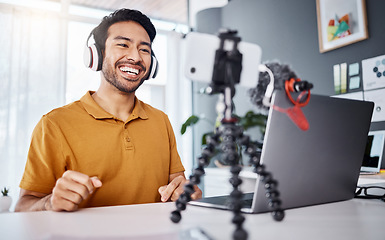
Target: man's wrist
[[47, 203]]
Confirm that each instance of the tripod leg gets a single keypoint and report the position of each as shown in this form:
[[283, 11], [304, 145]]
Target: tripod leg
[[231, 155], [236, 204], [195, 178], [272, 193], [271, 185]]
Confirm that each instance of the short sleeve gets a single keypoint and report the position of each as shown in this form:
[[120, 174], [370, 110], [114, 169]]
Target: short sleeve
[[176, 163], [45, 160]]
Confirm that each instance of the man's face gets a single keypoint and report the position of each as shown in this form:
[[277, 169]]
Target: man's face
[[127, 56]]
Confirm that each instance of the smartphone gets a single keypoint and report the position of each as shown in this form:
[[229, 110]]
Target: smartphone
[[200, 56]]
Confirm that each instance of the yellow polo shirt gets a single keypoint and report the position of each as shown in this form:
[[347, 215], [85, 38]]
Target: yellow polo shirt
[[132, 159]]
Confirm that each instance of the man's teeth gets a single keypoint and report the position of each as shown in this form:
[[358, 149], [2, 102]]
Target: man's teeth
[[130, 70]]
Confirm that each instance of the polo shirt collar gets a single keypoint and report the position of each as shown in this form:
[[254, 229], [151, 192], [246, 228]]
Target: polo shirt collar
[[97, 112], [138, 110]]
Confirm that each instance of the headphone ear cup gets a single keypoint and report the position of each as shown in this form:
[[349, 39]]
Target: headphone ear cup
[[93, 57], [154, 67]]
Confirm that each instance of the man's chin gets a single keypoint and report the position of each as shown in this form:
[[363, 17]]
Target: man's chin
[[131, 88]]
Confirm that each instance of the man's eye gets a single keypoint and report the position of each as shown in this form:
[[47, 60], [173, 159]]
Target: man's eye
[[145, 50], [122, 45]]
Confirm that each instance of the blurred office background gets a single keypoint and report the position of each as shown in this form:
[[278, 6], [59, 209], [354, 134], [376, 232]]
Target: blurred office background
[[41, 61]]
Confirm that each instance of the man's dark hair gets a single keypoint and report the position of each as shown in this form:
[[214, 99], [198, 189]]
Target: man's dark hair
[[122, 15]]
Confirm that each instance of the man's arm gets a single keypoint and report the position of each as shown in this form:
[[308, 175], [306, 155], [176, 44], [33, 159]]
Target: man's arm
[[70, 190], [32, 201], [174, 189]]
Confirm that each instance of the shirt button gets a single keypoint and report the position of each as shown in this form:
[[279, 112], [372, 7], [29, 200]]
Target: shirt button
[[127, 139]]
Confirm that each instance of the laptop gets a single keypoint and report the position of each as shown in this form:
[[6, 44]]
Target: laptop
[[314, 166], [374, 152]]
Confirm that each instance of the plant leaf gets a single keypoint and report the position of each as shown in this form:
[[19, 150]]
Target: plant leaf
[[5, 192], [191, 121], [204, 137], [252, 119]]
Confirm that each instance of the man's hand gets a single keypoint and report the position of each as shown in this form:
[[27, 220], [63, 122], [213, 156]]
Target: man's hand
[[70, 190], [174, 189]]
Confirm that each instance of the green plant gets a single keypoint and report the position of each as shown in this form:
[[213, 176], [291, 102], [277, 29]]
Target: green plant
[[5, 192], [249, 120], [191, 121]]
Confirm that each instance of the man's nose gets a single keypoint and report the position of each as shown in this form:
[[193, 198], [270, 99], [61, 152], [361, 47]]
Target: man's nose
[[133, 54]]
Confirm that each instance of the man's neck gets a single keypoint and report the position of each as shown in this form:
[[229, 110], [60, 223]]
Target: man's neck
[[115, 102]]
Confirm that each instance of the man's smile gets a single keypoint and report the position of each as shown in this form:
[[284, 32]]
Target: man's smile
[[130, 71]]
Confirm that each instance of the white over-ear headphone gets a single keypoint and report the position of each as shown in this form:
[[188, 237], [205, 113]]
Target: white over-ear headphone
[[93, 58]]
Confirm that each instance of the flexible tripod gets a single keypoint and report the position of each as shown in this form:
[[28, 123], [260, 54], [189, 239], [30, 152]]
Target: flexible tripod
[[228, 137]]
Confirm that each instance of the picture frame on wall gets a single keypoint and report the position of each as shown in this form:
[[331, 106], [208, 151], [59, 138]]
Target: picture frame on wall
[[340, 23]]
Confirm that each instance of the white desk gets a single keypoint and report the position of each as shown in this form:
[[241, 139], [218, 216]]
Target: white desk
[[353, 219]]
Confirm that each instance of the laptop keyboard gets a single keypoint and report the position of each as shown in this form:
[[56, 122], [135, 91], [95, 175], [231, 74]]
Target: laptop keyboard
[[247, 200]]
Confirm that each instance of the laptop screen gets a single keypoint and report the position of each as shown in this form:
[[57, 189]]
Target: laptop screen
[[373, 152]]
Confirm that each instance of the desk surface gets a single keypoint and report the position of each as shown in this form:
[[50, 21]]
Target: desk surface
[[353, 219]]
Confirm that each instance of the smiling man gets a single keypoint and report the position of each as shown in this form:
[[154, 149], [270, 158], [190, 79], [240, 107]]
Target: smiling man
[[108, 148]]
